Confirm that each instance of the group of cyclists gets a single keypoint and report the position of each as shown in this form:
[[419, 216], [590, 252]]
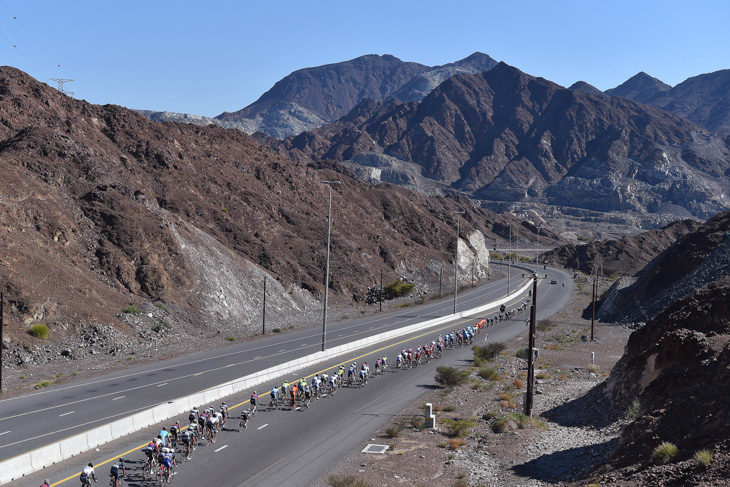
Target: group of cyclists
[[160, 461]]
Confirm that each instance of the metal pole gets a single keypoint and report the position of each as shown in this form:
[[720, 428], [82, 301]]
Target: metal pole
[[263, 326], [441, 275], [473, 267], [327, 266], [381, 290], [593, 313], [509, 261], [531, 346], [456, 262], [2, 324]]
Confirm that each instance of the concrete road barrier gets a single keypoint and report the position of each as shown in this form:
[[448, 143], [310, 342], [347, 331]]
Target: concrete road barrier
[[30, 462]]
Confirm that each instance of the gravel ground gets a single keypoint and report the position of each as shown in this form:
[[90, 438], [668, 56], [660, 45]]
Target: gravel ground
[[566, 435]]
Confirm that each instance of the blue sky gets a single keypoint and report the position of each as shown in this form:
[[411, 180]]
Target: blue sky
[[209, 57]]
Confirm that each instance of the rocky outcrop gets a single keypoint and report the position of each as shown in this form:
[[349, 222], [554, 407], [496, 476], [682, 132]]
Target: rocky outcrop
[[641, 87], [678, 369]]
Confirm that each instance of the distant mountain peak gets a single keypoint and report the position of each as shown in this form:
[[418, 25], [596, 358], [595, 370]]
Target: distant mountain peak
[[584, 87], [641, 87]]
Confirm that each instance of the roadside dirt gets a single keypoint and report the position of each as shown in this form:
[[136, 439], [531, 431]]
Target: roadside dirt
[[565, 435]]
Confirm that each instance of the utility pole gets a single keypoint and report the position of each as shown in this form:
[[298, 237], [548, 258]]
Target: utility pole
[[2, 324], [593, 312], [381, 290], [441, 275], [263, 329], [530, 353], [456, 261]]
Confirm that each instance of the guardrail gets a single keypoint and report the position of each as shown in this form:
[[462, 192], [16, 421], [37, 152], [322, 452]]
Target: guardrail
[[27, 463]]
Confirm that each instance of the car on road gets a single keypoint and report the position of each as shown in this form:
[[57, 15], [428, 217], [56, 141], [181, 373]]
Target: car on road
[[553, 281]]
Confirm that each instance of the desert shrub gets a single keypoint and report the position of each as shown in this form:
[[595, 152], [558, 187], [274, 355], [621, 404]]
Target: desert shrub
[[451, 377], [518, 383], [160, 306], [703, 458], [455, 443], [664, 453], [542, 376], [39, 330], [545, 325], [460, 483], [393, 431], [525, 422], [593, 369], [45, 383], [520, 353], [488, 373], [418, 423], [231, 339], [449, 409], [157, 328], [130, 310], [500, 425], [397, 289], [487, 353], [459, 427], [346, 481], [632, 412], [276, 330]]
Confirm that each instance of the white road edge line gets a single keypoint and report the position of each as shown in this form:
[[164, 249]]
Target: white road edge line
[[117, 398], [262, 426], [66, 414], [221, 448], [282, 351], [163, 384], [5, 433]]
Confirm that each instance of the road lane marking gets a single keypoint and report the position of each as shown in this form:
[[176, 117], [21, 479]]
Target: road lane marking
[[262, 426], [303, 345], [163, 384], [118, 398], [4, 433], [221, 448], [256, 358], [230, 365], [66, 414], [199, 373], [282, 351]]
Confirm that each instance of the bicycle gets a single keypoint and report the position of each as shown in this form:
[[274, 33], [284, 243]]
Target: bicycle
[[149, 466], [116, 482], [165, 475]]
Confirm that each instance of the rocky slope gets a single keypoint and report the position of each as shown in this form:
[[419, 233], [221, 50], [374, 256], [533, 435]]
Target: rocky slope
[[676, 367], [704, 99], [102, 208], [695, 260], [621, 257], [505, 136], [311, 97]]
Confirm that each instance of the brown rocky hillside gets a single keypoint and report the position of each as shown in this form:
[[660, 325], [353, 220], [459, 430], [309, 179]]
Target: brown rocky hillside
[[102, 208]]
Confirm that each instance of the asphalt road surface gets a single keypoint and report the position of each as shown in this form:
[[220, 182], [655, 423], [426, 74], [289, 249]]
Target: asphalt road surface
[[281, 445]]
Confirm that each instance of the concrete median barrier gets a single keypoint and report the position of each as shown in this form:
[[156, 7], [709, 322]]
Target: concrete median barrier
[[17, 467]]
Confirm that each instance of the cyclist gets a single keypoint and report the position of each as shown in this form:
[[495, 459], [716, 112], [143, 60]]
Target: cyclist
[[86, 474], [385, 363], [244, 419], [284, 390], [293, 393], [46, 483], [174, 433], [194, 415], [254, 400], [333, 383], [224, 411], [117, 471], [212, 425], [150, 452], [315, 386], [188, 439], [274, 392], [350, 375], [218, 420], [167, 461], [302, 383], [398, 361], [307, 395]]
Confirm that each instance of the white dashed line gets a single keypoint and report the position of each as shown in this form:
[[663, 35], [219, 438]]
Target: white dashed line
[[4, 433], [282, 351], [262, 426], [163, 384], [117, 398], [199, 373], [221, 448], [66, 414], [303, 345], [230, 365], [256, 358]]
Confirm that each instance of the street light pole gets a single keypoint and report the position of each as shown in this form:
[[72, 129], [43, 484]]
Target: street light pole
[[456, 262], [327, 265]]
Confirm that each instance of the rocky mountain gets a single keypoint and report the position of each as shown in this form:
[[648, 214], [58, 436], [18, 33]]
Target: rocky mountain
[[641, 87], [704, 99], [102, 208], [695, 260], [584, 87], [311, 97], [504, 136], [621, 257], [676, 372]]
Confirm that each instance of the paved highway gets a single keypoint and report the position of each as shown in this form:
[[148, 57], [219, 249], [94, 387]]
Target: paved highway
[[283, 445]]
